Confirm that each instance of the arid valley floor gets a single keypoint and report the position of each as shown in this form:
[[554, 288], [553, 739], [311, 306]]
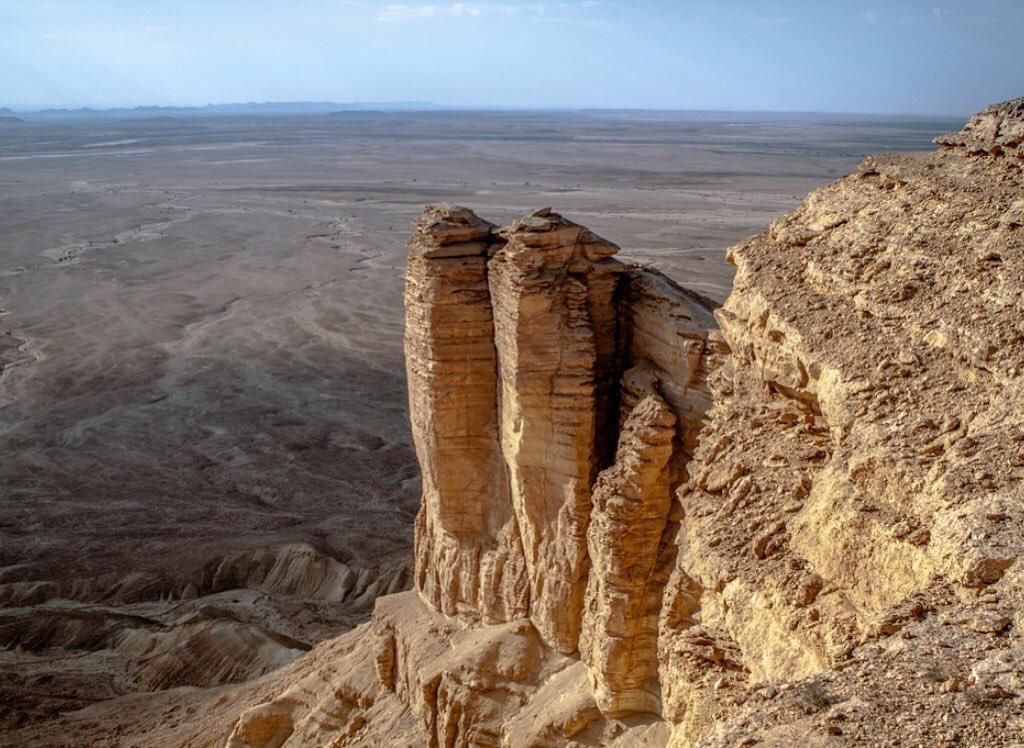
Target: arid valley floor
[[206, 453]]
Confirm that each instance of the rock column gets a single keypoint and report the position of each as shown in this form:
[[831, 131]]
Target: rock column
[[468, 558], [619, 643], [553, 289]]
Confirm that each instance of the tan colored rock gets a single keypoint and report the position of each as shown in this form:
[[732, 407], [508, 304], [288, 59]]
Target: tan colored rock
[[846, 460], [460, 683], [299, 569], [670, 346], [468, 560], [631, 507], [665, 329], [837, 492], [552, 286], [265, 725], [997, 129]]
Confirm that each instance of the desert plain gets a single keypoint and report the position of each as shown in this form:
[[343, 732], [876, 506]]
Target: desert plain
[[207, 464]]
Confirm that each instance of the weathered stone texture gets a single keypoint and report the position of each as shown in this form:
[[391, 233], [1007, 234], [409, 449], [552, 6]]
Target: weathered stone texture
[[811, 532], [859, 472], [468, 560], [997, 130], [665, 342], [631, 507], [554, 309]]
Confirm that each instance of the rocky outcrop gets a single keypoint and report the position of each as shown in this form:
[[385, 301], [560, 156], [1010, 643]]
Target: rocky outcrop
[[669, 337], [525, 347], [299, 570], [469, 560], [553, 286], [857, 486], [798, 521], [234, 619], [631, 509], [555, 396], [997, 130]]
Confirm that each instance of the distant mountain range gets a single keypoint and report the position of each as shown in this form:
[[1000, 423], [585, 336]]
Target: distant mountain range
[[7, 117], [300, 108], [252, 108]]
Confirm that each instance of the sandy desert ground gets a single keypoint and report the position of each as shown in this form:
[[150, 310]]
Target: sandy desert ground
[[206, 459]]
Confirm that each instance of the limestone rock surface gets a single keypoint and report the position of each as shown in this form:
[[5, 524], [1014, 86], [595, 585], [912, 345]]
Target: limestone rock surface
[[631, 508], [997, 130], [468, 554], [858, 481], [797, 521], [553, 287]]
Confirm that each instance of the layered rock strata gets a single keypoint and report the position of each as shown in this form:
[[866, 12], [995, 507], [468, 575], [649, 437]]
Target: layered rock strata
[[526, 347], [810, 531], [553, 286], [630, 514], [860, 473], [669, 340], [469, 559], [997, 130]]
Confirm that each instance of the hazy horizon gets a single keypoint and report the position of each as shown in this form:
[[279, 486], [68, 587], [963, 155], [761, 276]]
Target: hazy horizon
[[908, 57], [430, 107]]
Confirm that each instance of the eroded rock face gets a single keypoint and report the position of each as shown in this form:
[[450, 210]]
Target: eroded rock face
[[820, 503], [997, 130], [631, 507], [299, 570], [553, 288], [516, 383], [860, 470], [670, 344], [468, 554]]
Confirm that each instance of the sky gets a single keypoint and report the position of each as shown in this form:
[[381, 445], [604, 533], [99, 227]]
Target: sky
[[942, 57]]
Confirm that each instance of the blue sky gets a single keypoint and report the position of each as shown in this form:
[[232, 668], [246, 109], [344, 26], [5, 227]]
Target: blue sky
[[930, 57]]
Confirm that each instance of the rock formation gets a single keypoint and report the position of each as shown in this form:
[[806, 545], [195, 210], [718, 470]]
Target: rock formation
[[997, 130], [855, 498], [631, 508], [555, 398], [555, 322], [469, 560], [795, 521], [516, 342]]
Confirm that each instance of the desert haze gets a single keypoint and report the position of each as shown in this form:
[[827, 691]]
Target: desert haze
[[208, 461]]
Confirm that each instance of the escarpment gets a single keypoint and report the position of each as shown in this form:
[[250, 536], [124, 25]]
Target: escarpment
[[517, 340], [554, 286], [469, 559], [795, 519], [630, 514]]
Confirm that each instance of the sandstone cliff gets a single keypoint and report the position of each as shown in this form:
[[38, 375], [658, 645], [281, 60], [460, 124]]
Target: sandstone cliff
[[554, 287], [469, 559], [794, 520]]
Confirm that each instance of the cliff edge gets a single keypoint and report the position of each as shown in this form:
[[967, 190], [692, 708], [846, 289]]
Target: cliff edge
[[796, 519]]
